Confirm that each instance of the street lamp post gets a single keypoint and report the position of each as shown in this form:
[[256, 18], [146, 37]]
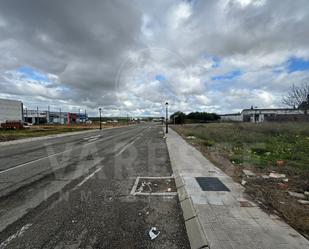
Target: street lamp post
[[166, 118], [100, 118], [37, 115]]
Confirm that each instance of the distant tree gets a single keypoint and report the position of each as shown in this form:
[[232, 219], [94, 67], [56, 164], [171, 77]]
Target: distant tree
[[297, 96], [179, 117], [203, 116]]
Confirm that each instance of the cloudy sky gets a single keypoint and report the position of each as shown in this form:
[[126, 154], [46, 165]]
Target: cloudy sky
[[133, 56]]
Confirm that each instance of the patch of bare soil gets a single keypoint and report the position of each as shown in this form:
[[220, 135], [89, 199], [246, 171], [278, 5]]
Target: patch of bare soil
[[270, 193], [156, 185], [273, 195]]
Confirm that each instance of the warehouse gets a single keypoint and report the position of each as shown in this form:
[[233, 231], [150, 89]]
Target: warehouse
[[49, 117], [257, 115], [10, 110]]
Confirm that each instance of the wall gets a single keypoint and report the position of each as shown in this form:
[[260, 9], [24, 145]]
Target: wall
[[10, 110], [262, 115], [287, 117], [232, 117]]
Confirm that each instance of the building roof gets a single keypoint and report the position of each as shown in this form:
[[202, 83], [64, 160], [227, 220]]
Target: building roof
[[261, 109], [270, 109]]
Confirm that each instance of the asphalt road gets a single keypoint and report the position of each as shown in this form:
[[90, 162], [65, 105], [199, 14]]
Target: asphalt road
[[74, 192]]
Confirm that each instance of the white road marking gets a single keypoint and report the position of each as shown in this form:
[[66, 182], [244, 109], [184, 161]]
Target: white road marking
[[36, 160], [43, 158], [88, 177], [93, 139], [135, 186], [134, 192], [126, 146], [157, 194], [15, 235]]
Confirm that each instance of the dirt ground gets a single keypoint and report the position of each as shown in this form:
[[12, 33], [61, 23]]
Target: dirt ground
[[272, 194]]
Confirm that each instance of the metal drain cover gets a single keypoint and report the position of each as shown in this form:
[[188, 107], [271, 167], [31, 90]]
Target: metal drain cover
[[211, 184]]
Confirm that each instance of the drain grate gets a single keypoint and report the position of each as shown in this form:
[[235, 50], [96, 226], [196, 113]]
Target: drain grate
[[211, 184]]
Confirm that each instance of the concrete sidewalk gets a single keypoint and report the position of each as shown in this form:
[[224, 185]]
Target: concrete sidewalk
[[227, 219]]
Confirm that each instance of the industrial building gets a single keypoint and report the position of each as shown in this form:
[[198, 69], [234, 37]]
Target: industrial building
[[50, 117], [256, 115], [10, 110]]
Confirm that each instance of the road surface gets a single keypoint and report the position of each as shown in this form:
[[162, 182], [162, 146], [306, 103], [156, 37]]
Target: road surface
[[76, 192]]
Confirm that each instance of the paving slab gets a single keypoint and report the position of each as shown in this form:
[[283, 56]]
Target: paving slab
[[228, 219]]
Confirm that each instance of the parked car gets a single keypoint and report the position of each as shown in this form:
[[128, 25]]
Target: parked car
[[27, 125]]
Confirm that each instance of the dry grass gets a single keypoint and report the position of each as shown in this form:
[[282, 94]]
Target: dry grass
[[260, 147]]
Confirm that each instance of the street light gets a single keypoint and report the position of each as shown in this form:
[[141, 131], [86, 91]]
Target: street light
[[100, 109], [166, 118]]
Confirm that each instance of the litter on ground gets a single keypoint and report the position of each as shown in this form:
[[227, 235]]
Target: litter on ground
[[191, 137], [303, 202], [276, 175], [153, 233], [248, 173], [297, 195]]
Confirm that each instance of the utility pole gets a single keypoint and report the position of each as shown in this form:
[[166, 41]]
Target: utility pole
[[48, 120], [78, 115], [127, 119], [37, 115], [255, 114], [100, 118], [166, 118], [60, 116]]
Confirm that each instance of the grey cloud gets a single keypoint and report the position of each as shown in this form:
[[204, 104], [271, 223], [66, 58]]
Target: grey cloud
[[81, 42], [85, 44]]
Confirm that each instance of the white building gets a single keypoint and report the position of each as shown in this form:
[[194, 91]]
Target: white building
[[266, 115], [11, 110]]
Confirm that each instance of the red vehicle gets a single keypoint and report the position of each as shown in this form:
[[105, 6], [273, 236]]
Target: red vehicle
[[12, 125]]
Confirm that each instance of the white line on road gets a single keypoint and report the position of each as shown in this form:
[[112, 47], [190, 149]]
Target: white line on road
[[36, 160], [43, 158], [134, 192], [88, 177], [135, 186], [93, 139], [127, 146], [19, 233]]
